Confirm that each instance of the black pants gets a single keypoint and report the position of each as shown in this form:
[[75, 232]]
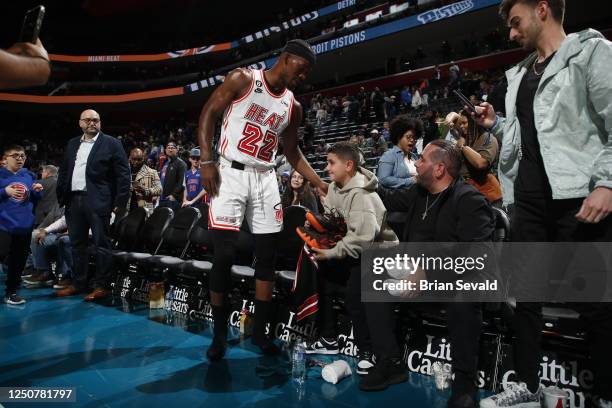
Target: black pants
[[15, 248], [464, 321], [546, 220], [81, 219], [334, 275]]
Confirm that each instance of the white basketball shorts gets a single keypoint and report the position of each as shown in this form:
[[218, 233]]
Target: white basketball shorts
[[251, 193]]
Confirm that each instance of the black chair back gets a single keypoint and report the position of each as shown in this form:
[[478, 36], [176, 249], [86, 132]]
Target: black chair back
[[130, 228], [502, 226], [176, 236], [153, 230], [115, 228], [200, 237], [203, 207]]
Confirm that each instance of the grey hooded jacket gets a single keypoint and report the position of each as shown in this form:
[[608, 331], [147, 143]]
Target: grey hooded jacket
[[573, 118]]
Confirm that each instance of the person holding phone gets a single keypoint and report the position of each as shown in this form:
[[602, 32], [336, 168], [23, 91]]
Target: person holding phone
[[555, 166], [24, 64], [478, 150]]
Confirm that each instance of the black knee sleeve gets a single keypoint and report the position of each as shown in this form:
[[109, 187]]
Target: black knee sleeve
[[265, 250], [220, 279]]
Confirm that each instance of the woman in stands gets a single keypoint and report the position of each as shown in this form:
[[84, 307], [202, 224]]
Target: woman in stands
[[479, 149], [396, 168], [299, 192]]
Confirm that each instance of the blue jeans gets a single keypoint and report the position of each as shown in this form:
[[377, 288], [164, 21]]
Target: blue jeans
[[41, 254]]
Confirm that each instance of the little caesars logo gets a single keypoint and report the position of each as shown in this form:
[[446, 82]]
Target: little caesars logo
[[234, 319], [421, 362], [176, 300], [349, 347], [125, 286], [289, 331], [565, 374], [141, 294]]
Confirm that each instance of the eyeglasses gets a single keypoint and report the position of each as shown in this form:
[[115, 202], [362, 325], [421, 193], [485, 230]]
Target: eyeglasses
[[17, 156], [90, 120]]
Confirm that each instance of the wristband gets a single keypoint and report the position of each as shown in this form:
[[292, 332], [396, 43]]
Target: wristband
[[208, 162]]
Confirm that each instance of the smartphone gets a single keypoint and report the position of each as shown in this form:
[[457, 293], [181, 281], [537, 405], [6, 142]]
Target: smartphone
[[465, 101], [31, 24]]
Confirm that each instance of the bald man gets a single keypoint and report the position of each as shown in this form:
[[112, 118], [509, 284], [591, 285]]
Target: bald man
[[94, 181], [146, 186]]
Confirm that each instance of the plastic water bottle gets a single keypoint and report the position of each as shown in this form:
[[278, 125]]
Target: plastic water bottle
[[298, 363]]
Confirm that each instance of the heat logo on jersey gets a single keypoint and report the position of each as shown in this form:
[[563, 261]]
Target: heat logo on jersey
[[258, 114], [23, 190]]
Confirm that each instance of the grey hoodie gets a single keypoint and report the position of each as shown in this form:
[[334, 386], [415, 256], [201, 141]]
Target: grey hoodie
[[363, 211]]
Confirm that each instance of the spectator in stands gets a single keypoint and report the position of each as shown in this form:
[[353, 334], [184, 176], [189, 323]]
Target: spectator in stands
[[406, 96], [378, 101], [172, 177], [560, 181], [194, 193], [478, 150], [18, 192], [396, 168], [52, 239], [390, 108], [24, 64], [485, 90], [442, 208], [354, 109], [353, 194], [322, 147], [146, 186], [321, 114], [48, 202], [416, 98], [299, 192], [430, 127], [454, 75], [385, 132], [376, 143], [436, 77], [93, 182]]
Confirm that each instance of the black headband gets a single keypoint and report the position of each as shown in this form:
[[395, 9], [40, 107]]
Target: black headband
[[301, 49]]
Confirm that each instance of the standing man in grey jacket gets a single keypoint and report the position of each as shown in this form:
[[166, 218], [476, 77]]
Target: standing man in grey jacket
[[556, 167]]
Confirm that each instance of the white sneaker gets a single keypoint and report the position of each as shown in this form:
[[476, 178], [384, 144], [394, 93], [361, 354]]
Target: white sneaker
[[322, 346], [516, 395], [366, 361], [14, 299]]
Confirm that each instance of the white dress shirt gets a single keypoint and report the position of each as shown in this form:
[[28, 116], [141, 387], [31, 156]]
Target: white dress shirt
[[78, 174]]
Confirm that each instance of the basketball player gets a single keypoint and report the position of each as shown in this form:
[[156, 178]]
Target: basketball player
[[258, 109]]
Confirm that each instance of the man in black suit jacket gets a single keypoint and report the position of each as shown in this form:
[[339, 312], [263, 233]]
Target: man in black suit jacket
[[94, 180]]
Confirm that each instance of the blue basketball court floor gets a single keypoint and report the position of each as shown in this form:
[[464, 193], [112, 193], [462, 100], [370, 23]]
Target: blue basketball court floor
[[120, 354]]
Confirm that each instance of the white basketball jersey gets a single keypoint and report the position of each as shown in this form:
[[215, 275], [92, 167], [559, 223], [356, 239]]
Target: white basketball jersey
[[252, 124]]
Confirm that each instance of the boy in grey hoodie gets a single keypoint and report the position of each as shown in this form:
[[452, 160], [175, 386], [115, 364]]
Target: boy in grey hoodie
[[352, 193]]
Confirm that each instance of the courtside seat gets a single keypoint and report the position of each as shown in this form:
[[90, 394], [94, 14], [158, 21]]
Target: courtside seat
[[175, 239], [150, 237]]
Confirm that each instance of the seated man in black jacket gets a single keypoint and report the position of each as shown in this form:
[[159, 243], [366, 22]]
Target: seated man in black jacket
[[441, 208]]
